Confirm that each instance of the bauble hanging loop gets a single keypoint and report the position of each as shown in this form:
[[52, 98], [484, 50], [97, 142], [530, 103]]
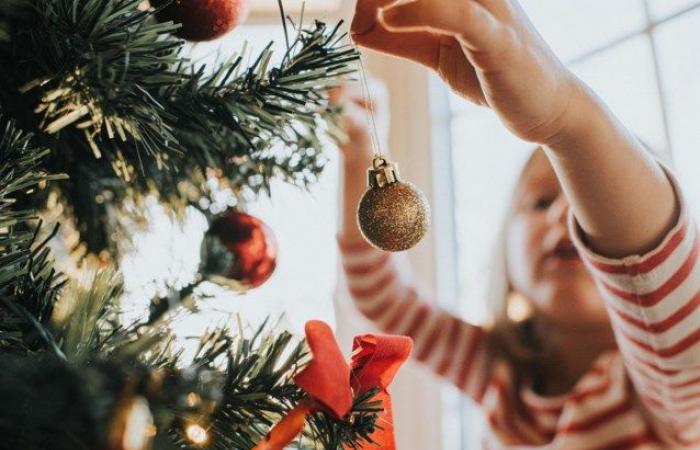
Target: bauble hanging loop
[[382, 173], [392, 215]]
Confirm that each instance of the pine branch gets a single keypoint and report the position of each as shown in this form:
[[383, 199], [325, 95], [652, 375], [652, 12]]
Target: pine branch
[[106, 88], [88, 315], [93, 62], [353, 431], [29, 285], [258, 389]]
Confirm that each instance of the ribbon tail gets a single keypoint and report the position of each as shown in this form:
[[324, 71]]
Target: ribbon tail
[[375, 363], [286, 429], [383, 437]]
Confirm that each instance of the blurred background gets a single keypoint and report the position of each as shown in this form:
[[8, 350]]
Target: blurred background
[[641, 56]]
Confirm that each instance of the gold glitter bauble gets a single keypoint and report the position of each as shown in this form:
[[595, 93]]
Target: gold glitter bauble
[[393, 216]]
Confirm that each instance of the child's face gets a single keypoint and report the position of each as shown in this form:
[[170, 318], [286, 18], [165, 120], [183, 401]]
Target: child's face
[[543, 264]]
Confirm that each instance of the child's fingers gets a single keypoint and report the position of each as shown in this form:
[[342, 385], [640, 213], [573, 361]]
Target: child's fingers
[[350, 93], [347, 93], [353, 91], [335, 94], [365, 18], [421, 47], [466, 20], [499, 8], [355, 115]]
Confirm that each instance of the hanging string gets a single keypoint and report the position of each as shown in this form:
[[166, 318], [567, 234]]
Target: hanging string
[[374, 135]]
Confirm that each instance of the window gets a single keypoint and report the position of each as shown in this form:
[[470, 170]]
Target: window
[[678, 50], [641, 56]]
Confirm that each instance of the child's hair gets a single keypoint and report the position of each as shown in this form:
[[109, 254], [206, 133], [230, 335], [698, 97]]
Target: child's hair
[[512, 339]]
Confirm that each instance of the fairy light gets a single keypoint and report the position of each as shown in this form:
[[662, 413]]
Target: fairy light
[[139, 429], [196, 434], [518, 309], [193, 399]]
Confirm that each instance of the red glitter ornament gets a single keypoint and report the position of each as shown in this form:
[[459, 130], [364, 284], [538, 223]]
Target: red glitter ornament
[[251, 244], [203, 20]]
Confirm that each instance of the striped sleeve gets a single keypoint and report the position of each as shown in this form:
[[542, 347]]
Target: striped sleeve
[[449, 346], [653, 302]]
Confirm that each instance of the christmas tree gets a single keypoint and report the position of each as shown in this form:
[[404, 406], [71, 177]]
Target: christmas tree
[[101, 113]]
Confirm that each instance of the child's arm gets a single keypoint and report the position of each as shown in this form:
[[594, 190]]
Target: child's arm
[[449, 346], [654, 306], [488, 51]]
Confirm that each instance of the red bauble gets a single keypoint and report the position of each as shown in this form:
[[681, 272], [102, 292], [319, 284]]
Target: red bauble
[[251, 244], [203, 20]]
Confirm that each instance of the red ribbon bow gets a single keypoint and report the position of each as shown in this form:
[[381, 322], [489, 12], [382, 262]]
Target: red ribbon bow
[[330, 382]]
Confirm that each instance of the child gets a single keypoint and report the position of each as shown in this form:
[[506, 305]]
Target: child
[[598, 240]]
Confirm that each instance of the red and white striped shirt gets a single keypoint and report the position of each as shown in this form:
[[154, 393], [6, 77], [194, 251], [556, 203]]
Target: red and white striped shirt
[[645, 395]]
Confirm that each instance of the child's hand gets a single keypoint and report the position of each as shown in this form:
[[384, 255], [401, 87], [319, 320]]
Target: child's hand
[[357, 150], [486, 50]]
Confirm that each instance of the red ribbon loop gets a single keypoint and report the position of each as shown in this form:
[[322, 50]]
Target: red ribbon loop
[[327, 377], [375, 363], [377, 359], [330, 382]]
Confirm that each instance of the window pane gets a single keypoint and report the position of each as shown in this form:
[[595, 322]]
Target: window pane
[[679, 53], [664, 8], [623, 77], [573, 28]]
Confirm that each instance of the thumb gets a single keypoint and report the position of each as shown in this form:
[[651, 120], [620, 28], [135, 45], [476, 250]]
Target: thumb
[[367, 30], [366, 15]]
